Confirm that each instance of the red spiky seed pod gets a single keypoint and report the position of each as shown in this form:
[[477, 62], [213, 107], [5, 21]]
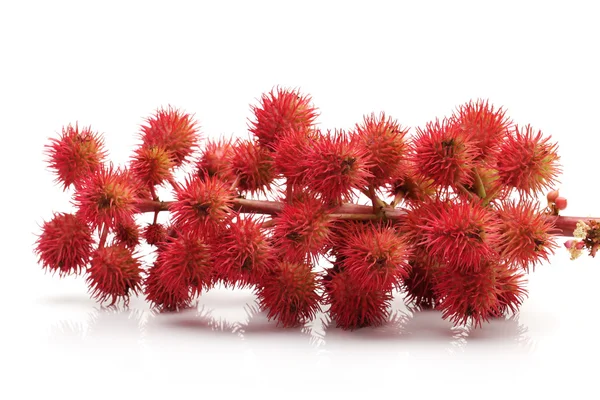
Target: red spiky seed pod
[[443, 153], [76, 154], [525, 234], [289, 293], [242, 253], [114, 274], [152, 165], [215, 160], [301, 230], [65, 244], [529, 162], [384, 142], [352, 307], [154, 234], [468, 294], [253, 167], [173, 130], [182, 270], [107, 197], [460, 234], [203, 204], [375, 257], [420, 283], [127, 233], [510, 288], [162, 297], [484, 125], [289, 152], [281, 110], [409, 186], [336, 165]]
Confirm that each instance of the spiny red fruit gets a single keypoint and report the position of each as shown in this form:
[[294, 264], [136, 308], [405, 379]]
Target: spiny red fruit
[[484, 125], [162, 297], [408, 186], [76, 154], [253, 167], [289, 293], [420, 283], [375, 257], [525, 234], [280, 110], [468, 294], [183, 265], [154, 234], [352, 307], [443, 153], [384, 142], [108, 196], [215, 160], [65, 244], [336, 166], [203, 205], [302, 229], [289, 152], [127, 233], [529, 162], [460, 234], [152, 164], [172, 130], [510, 288], [242, 253], [114, 273]]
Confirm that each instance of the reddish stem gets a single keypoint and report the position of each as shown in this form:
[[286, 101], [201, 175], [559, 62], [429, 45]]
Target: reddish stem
[[564, 225]]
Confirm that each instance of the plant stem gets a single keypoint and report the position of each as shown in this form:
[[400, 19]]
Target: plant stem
[[564, 225], [103, 236]]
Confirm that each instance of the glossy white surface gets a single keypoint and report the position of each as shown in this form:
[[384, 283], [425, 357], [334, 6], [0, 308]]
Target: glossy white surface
[[110, 65]]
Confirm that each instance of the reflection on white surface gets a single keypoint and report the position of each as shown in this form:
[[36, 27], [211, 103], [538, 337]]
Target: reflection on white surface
[[234, 317]]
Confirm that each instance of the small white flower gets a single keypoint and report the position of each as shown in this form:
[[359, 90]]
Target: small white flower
[[581, 230]]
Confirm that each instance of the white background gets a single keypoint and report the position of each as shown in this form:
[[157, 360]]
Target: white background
[[110, 64]]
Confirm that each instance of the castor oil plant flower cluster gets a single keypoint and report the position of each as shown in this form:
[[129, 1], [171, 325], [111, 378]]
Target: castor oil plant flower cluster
[[314, 220]]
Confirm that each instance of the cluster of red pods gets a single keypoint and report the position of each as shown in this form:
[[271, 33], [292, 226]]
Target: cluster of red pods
[[337, 221]]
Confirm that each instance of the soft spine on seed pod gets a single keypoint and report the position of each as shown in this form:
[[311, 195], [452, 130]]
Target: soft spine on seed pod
[[451, 220]]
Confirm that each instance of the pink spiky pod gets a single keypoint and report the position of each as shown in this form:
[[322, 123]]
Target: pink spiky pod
[[127, 232], [384, 143], [459, 234], [173, 130], [215, 160], [352, 307], [152, 165], [76, 154], [154, 234], [529, 162], [374, 256], [289, 152], [479, 296], [526, 237], [203, 205], [444, 153], [114, 273], [419, 284], [409, 186], [241, 252], [253, 167], [182, 270], [484, 125], [301, 230], [336, 166], [289, 293], [65, 244], [281, 110], [107, 197]]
